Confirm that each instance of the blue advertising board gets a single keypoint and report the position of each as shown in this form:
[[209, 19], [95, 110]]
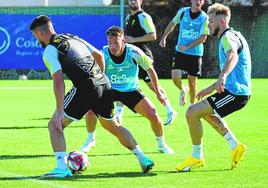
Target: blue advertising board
[[20, 50]]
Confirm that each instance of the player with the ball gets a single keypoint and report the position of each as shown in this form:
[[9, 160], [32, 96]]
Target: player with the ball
[[82, 63]]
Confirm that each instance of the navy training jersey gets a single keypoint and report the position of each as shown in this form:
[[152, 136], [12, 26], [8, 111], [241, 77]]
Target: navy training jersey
[[72, 55], [137, 25]]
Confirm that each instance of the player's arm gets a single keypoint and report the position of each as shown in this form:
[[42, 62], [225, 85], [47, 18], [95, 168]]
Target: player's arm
[[232, 60], [230, 47], [167, 31], [148, 26], [98, 56], [204, 31], [52, 63], [146, 63], [230, 44], [145, 38], [59, 92], [154, 79], [198, 41], [176, 20]]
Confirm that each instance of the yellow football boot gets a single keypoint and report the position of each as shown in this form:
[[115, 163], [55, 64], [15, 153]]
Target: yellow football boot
[[189, 164], [238, 154]]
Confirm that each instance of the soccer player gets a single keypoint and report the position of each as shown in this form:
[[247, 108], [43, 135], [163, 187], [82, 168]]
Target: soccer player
[[122, 63], [66, 53], [139, 31], [189, 49], [233, 90]]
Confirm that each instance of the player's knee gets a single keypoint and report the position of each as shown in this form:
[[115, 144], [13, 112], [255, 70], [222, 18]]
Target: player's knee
[[190, 113], [50, 125], [154, 118]]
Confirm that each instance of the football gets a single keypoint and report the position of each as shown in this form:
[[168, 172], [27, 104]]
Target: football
[[77, 161]]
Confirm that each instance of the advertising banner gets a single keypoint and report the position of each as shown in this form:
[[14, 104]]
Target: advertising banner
[[20, 50]]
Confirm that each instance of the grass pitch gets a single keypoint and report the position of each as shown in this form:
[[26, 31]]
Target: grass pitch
[[25, 150]]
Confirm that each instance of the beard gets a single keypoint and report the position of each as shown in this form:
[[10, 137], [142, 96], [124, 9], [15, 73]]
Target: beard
[[133, 7], [43, 45], [216, 31]]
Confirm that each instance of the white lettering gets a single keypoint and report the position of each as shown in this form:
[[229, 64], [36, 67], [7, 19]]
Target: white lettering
[[23, 53], [189, 34], [121, 79], [22, 43]]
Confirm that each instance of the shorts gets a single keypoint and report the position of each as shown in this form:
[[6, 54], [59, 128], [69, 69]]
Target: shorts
[[130, 98], [78, 101], [189, 63], [226, 103], [142, 73]]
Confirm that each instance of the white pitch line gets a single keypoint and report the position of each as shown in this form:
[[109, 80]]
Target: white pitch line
[[20, 177]]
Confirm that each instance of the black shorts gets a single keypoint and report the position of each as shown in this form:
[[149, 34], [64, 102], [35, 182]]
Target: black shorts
[[98, 99], [189, 63], [142, 73], [130, 98], [226, 103]]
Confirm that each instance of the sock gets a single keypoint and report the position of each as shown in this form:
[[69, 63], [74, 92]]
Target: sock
[[138, 153], [91, 135], [231, 139], [119, 110], [197, 151], [61, 159], [168, 107], [160, 140]]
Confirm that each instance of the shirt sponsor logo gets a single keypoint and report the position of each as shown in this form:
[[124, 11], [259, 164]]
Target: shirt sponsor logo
[[189, 34], [121, 79]]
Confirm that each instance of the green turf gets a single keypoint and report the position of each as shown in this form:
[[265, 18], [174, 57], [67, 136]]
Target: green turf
[[25, 150]]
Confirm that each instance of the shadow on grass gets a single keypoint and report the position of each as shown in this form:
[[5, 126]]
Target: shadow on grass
[[195, 171], [80, 177], [84, 177], [8, 157], [41, 127], [44, 118]]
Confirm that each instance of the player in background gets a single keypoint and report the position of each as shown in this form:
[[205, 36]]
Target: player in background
[[189, 50], [139, 31], [122, 64], [66, 53], [233, 88]]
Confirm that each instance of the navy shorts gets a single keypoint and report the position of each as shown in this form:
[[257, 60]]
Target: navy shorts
[[142, 73], [130, 98], [226, 103], [189, 63]]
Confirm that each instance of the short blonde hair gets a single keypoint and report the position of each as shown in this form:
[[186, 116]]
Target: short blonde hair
[[219, 9]]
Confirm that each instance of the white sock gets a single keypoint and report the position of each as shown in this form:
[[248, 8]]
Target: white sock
[[91, 135], [231, 139], [119, 110], [138, 153], [160, 140], [61, 159], [197, 151], [168, 106]]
